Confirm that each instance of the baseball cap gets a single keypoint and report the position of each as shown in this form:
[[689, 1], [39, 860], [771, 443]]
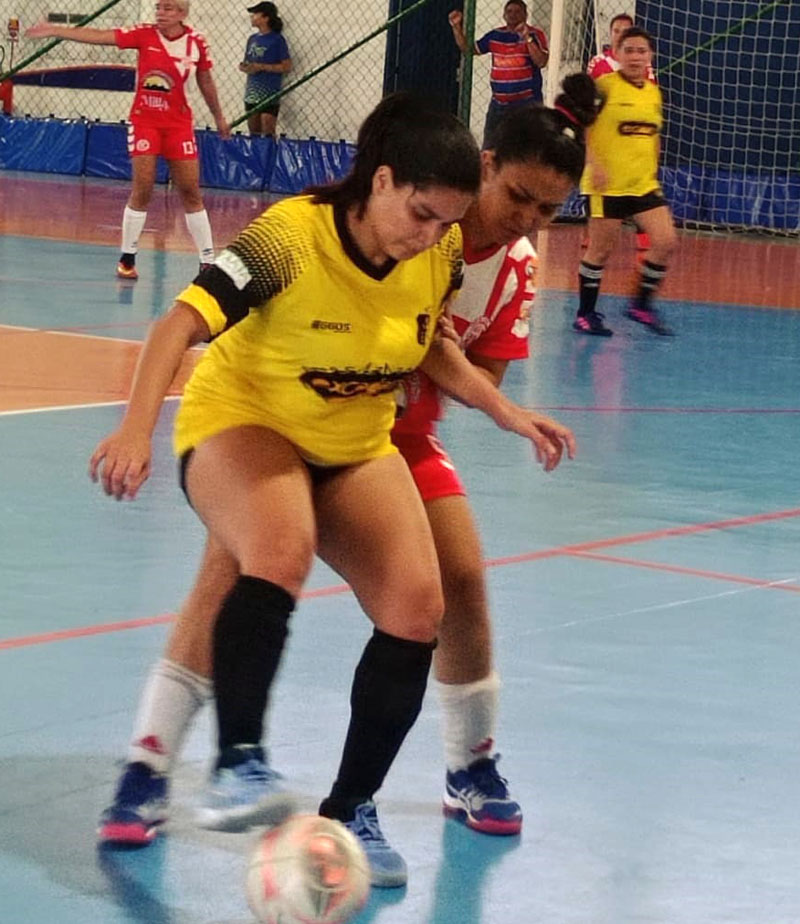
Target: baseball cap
[[267, 8]]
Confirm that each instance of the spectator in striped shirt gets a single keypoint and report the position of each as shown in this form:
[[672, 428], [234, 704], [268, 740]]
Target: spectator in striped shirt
[[519, 52]]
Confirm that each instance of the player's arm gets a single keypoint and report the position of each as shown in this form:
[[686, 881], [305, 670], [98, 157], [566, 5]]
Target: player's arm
[[456, 20], [455, 374], [82, 34], [539, 54], [493, 369], [278, 67], [208, 88], [597, 172], [121, 461]]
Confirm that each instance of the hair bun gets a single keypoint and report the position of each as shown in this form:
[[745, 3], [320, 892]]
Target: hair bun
[[580, 99]]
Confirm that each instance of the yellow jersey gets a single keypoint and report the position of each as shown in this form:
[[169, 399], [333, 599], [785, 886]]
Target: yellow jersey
[[310, 340], [624, 139]]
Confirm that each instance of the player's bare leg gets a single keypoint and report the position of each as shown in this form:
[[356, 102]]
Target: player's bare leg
[[475, 793]]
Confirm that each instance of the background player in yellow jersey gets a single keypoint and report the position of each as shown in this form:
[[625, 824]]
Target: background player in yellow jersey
[[284, 439], [621, 182]]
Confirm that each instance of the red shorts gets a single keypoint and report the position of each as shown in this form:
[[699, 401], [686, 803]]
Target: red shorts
[[434, 473], [173, 142]]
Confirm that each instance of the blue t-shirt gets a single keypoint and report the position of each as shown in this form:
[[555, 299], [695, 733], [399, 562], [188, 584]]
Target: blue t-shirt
[[264, 48]]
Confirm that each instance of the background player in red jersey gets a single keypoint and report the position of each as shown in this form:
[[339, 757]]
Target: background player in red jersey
[[169, 52]]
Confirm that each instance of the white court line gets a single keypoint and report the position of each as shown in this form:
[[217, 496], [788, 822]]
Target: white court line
[[73, 407], [65, 333], [661, 606]]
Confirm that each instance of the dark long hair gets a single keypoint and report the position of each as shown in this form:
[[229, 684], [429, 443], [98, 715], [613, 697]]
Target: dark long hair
[[423, 145], [271, 12], [552, 137]]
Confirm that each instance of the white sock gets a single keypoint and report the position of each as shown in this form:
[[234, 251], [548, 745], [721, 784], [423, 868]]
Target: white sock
[[468, 718], [200, 229], [132, 225], [171, 698]]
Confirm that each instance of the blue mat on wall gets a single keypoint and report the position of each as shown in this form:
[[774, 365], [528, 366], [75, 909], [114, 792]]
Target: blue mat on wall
[[44, 145]]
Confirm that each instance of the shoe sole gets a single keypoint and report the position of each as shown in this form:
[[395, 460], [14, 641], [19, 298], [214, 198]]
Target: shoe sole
[[593, 333], [488, 826], [380, 880], [661, 331], [241, 818], [127, 835]]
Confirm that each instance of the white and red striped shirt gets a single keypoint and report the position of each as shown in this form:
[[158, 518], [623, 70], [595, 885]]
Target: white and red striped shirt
[[163, 68], [491, 317]]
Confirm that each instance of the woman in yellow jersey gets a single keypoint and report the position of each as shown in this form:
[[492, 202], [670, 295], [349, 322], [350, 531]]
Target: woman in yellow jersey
[[318, 309], [621, 181]]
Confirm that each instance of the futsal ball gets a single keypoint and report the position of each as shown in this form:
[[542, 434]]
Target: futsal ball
[[308, 870]]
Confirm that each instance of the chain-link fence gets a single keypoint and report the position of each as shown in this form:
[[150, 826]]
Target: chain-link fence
[[329, 106], [332, 105]]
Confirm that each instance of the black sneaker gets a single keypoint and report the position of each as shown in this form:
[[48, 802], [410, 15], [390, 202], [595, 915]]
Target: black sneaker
[[592, 323], [650, 318]]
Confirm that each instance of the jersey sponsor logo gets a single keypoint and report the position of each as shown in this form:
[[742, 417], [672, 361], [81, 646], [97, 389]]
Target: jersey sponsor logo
[[332, 384], [143, 145], [643, 129], [423, 325], [338, 327], [231, 264], [154, 102], [159, 81]]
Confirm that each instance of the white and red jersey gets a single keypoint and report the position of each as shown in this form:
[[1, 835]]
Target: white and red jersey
[[491, 317], [163, 69], [606, 63]]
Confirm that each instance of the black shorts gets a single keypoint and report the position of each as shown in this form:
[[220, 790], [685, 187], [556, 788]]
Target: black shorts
[[270, 110], [319, 473], [623, 207]]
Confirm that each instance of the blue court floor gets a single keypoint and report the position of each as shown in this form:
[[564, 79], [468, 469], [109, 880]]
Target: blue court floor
[[646, 600]]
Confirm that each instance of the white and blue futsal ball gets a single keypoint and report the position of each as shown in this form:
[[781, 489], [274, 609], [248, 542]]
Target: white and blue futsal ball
[[308, 870]]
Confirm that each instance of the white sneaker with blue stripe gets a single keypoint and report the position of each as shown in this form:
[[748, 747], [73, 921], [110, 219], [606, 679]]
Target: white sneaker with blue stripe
[[478, 797], [387, 867], [246, 794]]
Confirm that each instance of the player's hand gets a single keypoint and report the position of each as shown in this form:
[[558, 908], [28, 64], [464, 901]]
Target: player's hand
[[121, 463], [243, 67], [445, 329], [40, 29], [455, 18], [599, 176], [223, 128], [549, 437]]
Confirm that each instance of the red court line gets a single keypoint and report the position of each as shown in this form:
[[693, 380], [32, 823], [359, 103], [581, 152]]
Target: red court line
[[563, 550], [82, 632], [622, 409], [680, 569], [632, 538], [27, 640]]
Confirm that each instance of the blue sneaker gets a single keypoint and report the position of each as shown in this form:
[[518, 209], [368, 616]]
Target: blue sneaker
[[478, 797], [387, 867], [140, 806], [245, 795]]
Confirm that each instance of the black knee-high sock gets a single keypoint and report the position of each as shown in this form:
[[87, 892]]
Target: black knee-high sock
[[385, 700], [589, 278], [652, 275], [248, 642]]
